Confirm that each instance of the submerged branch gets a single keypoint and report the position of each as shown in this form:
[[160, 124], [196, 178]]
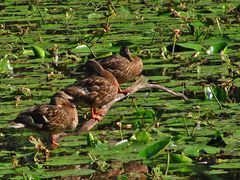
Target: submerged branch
[[140, 84]]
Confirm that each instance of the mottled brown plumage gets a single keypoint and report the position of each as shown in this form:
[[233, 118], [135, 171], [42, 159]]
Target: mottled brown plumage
[[55, 117], [94, 91], [124, 66]]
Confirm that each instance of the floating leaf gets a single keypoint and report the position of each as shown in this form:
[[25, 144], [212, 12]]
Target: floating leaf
[[28, 52], [206, 20], [217, 140], [6, 171], [92, 141], [197, 150], [176, 138], [125, 10], [220, 93], [179, 48], [145, 113], [81, 49], [95, 16], [38, 52], [31, 7], [237, 133], [230, 165], [180, 158], [73, 159], [65, 173], [5, 66], [217, 48], [155, 149], [193, 46], [142, 136]]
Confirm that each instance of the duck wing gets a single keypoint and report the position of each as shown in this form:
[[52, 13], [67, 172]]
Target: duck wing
[[119, 66], [115, 63], [45, 117], [94, 91]]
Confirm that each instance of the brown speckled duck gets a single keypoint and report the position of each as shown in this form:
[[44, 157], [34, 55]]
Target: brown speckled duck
[[124, 66], [94, 91], [55, 117]]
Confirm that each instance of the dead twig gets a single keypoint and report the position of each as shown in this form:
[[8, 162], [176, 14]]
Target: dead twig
[[159, 87], [140, 84]]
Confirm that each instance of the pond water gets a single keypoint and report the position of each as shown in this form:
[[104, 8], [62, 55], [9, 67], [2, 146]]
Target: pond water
[[167, 137]]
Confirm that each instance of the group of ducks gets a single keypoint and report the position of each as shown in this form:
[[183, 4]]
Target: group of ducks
[[94, 92]]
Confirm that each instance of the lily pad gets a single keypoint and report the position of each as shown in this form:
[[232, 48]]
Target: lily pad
[[95, 15], [5, 66], [217, 48], [155, 149], [142, 136], [193, 46], [180, 158], [38, 52], [197, 150]]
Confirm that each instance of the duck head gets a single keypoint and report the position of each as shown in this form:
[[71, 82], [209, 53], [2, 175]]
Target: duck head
[[125, 52], [61, 98]]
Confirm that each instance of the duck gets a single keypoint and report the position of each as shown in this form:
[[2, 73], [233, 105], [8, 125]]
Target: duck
[[124, 66], [60, 114], [94, 91]]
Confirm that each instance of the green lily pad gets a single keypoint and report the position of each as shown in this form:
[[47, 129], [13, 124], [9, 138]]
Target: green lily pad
[[81, 49], [193, 46], [38, 52], [92, 141], [180, 158], [95, 15], [5, 66], [197, 150], [155, 149], [217, 48], [142, 136], [229, 165]]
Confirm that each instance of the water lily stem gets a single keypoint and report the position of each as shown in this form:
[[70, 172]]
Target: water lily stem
[[117, 2], [168, 162], [7, 45], [120, 128], [89, 47], [186, 126], [152, 124], [216, 99], [40, 12], [153, 37], [219, 27], [174, 43], [93, 159], [193, 131], [21, 39], [110, 1]]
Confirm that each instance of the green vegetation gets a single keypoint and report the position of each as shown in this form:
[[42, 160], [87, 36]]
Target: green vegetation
[[187, 46]]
